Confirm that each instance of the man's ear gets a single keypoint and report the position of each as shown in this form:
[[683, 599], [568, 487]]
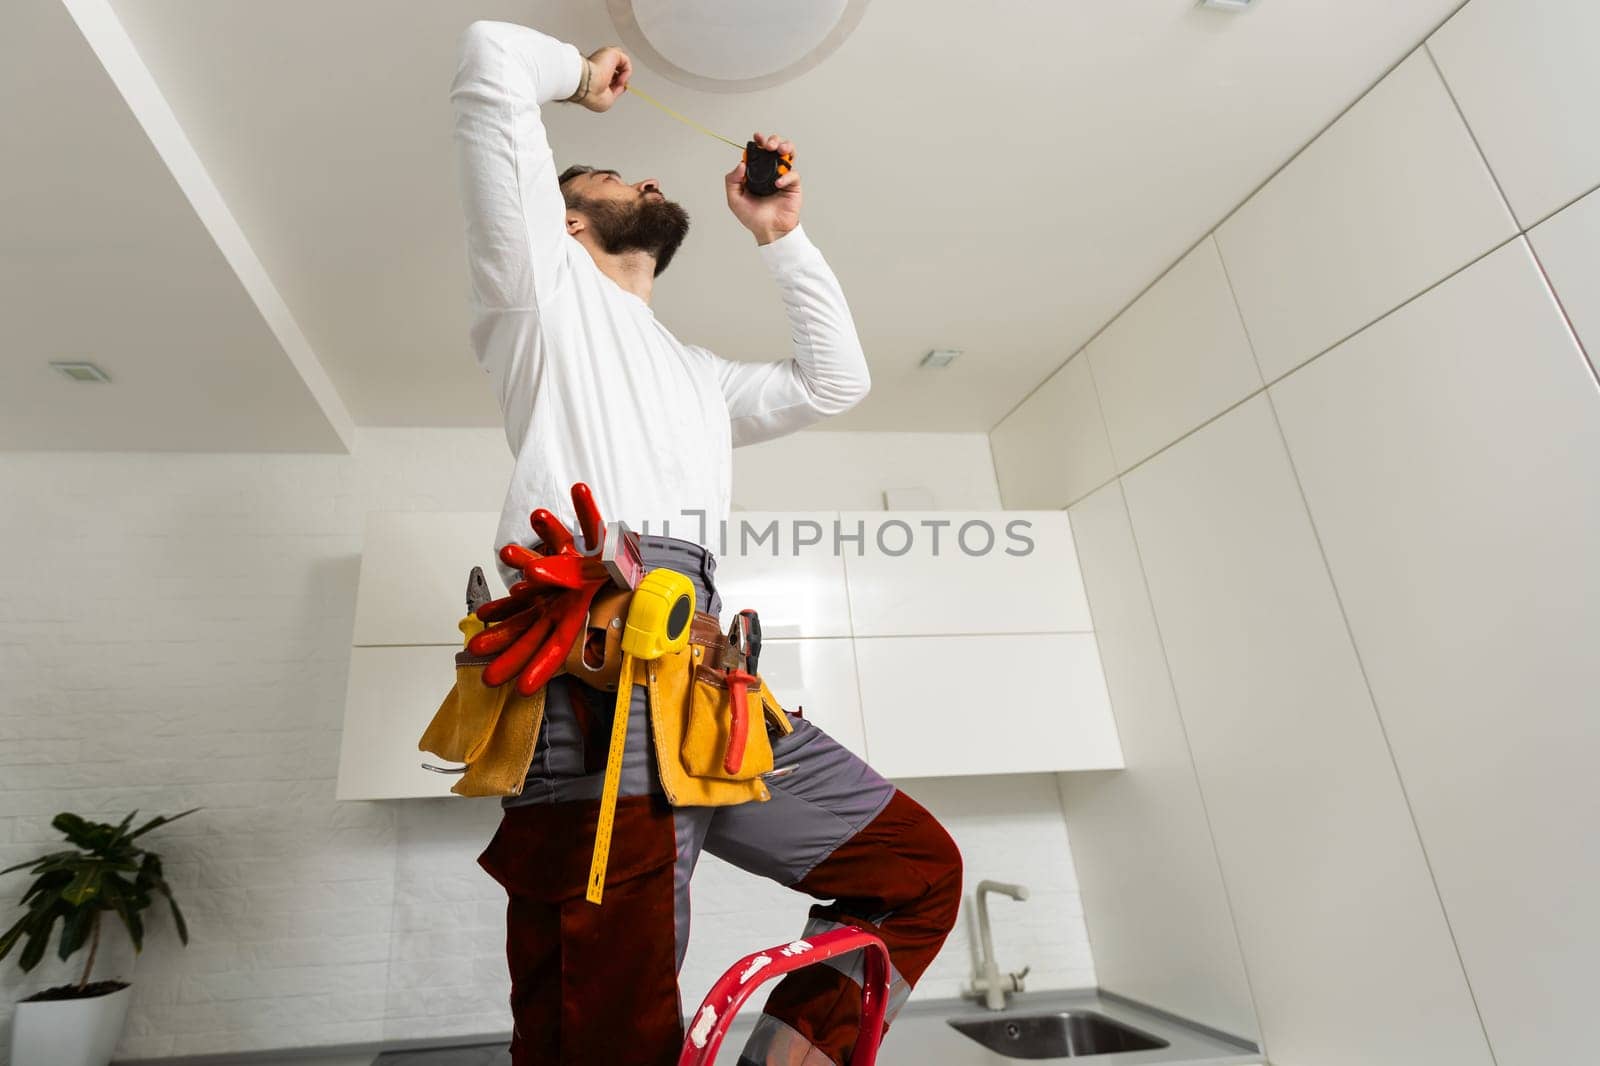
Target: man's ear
[[575, 224]]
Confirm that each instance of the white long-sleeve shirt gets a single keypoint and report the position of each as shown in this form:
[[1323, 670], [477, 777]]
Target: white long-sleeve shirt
[[592, 387]]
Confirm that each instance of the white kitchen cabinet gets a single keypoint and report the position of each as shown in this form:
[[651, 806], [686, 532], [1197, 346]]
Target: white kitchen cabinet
[[961, 705], [392, 694], [798, 594], [1568, 247], [1524, 74], [1483, 664], [1330, 890], [1388, 200], [1053, 449], [960, 572], [818, 678], [414, 568]]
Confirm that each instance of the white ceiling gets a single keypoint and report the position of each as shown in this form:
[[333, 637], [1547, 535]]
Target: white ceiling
[[1000, 177], [103, 257]]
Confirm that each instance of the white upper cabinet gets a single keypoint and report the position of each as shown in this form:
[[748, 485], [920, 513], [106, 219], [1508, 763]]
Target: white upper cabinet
[[414, 568], [1053, 449], [799, 593], [1175, 358], [1153, 898], [1336, 912], [1453, 452], [1568, 247], [818, 679], [984, 572], [1388, 200], [1526, 77], [950, 706], [391, 697]]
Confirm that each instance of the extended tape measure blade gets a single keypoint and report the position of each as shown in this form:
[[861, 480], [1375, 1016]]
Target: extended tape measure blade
[[613, 782], [686, 120]]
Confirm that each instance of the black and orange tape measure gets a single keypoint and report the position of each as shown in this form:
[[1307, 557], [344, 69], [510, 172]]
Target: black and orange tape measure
[[762, 166]]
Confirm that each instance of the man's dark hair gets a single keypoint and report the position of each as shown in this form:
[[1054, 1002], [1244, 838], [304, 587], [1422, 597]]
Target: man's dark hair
[[573, 172]]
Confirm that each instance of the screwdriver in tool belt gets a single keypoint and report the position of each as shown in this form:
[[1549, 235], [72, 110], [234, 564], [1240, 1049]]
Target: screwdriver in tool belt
[[762, 166]]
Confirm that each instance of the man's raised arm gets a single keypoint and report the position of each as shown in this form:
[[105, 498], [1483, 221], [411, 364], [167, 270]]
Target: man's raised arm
[[828, 372], [516, 230]]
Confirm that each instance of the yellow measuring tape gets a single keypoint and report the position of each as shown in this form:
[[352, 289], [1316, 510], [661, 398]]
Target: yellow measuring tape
[[763, 166], [686, 120], [659, 615]]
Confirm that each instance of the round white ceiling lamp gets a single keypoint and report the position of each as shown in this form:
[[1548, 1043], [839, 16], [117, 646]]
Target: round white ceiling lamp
[[733, 45]]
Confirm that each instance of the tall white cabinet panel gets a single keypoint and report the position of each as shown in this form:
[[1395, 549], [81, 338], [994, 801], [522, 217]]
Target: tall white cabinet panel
[[1053, 448], [818, 678], [798, 593], [414, 568], [1336, 912], [994, 572], [1451, 461], [1388, 200], [1152, 891], [1568, 247], [950, 706], [1173, 359], [392, 695], [1524, 72]]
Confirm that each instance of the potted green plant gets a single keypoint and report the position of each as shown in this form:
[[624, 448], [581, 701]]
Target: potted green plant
[[80, 1025]]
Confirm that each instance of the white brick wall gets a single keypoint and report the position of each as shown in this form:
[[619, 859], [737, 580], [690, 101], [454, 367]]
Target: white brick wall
[[174, 632]]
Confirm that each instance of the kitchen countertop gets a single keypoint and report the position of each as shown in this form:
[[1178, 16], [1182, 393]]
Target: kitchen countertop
[[922, 1035]]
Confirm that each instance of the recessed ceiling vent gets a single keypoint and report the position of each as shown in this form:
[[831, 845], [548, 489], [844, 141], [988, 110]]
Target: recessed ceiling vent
[[84, 372], [1227, 5]]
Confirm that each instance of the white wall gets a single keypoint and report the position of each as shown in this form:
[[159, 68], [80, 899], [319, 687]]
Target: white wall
[[1337, 530], [174, 632]]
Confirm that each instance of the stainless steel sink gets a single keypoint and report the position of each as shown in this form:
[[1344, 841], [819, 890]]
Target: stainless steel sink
[[1053, 1036]]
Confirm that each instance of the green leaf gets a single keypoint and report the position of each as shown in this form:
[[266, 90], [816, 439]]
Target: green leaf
[[130, 919], [53, 858], [177, 918], [78, 830], [160, 820], [38, 940], [50, 883], [12, 935], [75, 932], [122, 827], [84, 886]]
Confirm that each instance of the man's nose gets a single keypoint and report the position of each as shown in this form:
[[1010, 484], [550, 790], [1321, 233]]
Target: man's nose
[[649, 185]]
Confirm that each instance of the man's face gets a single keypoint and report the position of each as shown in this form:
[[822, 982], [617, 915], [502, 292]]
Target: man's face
[[628, 218]]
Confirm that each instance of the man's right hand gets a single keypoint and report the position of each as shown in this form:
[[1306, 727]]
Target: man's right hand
[[609, 71]]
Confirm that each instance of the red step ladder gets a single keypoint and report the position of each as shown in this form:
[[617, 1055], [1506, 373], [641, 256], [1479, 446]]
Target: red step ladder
[[709, 1024]]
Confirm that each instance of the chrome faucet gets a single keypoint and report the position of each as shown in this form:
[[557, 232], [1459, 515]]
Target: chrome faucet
[[988, 984]]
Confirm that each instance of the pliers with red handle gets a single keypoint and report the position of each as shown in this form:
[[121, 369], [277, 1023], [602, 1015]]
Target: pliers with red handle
[[744, 638]]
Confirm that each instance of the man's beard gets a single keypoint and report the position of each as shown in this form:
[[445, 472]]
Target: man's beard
[[655, 227]]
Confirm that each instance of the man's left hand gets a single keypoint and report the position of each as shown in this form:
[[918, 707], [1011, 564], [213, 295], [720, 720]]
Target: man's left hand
[[768, 217]]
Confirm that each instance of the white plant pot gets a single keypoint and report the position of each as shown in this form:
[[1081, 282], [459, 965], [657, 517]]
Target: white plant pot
[[69, 1032]]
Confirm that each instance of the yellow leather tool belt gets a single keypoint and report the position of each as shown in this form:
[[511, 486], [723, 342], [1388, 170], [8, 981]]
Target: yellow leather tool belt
[[493, 730]]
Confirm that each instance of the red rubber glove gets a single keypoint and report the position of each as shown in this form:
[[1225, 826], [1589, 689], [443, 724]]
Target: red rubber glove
[[534, 626]]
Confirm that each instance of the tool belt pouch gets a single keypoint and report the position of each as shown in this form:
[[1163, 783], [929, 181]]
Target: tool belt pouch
[[717, 730], [492, 730]]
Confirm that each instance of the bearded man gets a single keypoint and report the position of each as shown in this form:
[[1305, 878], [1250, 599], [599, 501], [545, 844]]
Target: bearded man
[[594, 389]]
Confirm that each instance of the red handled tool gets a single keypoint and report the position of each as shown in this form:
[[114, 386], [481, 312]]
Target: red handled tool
[[744, 639]]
